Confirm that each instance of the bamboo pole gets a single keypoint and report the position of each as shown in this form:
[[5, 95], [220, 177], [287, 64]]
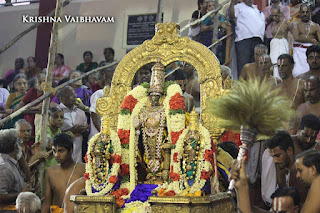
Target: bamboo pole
[[49, 76], [41, 98], [159, 11], [15, 39], [215, 29], [221, 39]]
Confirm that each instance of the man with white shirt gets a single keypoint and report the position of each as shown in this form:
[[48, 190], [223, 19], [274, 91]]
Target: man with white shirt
[[75, 120], [249, 30]]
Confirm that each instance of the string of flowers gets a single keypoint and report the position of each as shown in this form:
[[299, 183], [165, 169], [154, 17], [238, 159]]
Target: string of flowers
[[112, 177], [124, 126]]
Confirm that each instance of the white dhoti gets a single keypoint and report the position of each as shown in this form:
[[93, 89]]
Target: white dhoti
[[268, 177], [300, 59], [277, 48]]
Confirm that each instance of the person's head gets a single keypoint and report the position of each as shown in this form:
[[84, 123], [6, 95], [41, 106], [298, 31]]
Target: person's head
[[210, 5], [56, 117], [105, 76], [18, 63], [10, 143], [230, 147], [155, 98], [37, 81], [281, 149], [286, 199], [67, 96], [108, 54], [264, 63], [305, 12], [188, 68], [20, 83], [285, 65], [312, 89], [225, 72], [313, 57], [202, 5], [259, 49], [308, 131], [73, 75], [248, 2], [144, 74], [62, 147], [275, 13], [92, 78], [28, 202], [87, 57], [59, 59], [308, 165], [24, 129], [31, 61], [275, 1]]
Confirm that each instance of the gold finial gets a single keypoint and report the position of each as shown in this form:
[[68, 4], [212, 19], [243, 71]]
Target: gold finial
[[194, 120], [157, 78], [105, 125]]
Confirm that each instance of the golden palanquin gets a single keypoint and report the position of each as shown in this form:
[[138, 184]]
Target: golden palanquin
[[166, 46]]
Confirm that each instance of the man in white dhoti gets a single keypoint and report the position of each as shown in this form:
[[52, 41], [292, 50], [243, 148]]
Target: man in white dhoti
[[279, 44], [305, 33]]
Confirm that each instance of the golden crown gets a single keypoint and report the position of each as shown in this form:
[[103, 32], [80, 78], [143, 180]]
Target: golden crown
[[157, 78]]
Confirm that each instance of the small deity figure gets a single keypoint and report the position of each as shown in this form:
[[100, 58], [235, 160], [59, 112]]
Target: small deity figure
[[191, 162], [103, 160]]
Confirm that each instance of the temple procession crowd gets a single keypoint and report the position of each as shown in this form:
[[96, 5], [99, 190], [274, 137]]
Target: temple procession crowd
[[280, 44]]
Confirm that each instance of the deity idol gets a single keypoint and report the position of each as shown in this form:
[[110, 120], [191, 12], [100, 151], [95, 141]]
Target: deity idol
[[191, 162], [103, 160], [149, 124]]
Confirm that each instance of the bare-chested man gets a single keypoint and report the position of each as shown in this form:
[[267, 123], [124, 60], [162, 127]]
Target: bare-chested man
[[279, 44], [290, 86], [308, 170], [312, 106], [59, 177], [306, 136], [313, 59], [305, 33], [264, 67], [251, 69]]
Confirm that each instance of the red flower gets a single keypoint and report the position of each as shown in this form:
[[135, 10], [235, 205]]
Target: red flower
[[174, 176], [86, 158], [124, 136], [86, 176], [120, 202], [208, 155], [171, 168], [124, 169], [124, 191], [175, 157], [175, 136], [177, 102], [113, 179], [129, 102], [205, 175], [170, 193], [117, 159], [116, 194]]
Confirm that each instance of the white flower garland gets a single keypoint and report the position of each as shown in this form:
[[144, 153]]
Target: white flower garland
[[107, 186]]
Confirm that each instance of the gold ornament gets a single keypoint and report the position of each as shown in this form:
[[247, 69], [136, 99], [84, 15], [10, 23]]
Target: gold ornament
[[157, 79]]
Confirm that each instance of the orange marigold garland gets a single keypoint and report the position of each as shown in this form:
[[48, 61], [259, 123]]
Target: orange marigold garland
[[86, 176], [129, 102], [208, 155], [124, 136], [205, 175], [124, 169], [176, 102], [113, 179], [175, 136]]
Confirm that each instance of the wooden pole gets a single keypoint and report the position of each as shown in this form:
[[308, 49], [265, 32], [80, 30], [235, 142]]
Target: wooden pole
[[215, 28], [15, 39], [159, 12], [49, 76], [41, 98]]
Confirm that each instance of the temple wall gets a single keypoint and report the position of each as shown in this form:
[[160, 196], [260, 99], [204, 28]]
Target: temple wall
[[75, 38]]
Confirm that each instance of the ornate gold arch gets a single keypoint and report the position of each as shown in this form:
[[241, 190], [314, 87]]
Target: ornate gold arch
[[167, 46]]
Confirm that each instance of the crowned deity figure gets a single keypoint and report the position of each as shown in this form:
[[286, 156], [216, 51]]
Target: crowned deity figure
[[192, 162], [150, 125], [103, 160]]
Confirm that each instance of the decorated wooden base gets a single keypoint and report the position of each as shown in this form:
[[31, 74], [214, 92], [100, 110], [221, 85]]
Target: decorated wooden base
[[213, 203], [94, 204]]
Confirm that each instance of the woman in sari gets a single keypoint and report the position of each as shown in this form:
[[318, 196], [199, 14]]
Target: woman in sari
[[21, 87]]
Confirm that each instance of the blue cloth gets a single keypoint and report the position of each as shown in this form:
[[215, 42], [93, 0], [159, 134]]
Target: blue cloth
[[142, 192]]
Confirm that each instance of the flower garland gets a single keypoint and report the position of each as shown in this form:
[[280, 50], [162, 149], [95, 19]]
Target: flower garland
[[112, 178], [124, 126], [203, 168]]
